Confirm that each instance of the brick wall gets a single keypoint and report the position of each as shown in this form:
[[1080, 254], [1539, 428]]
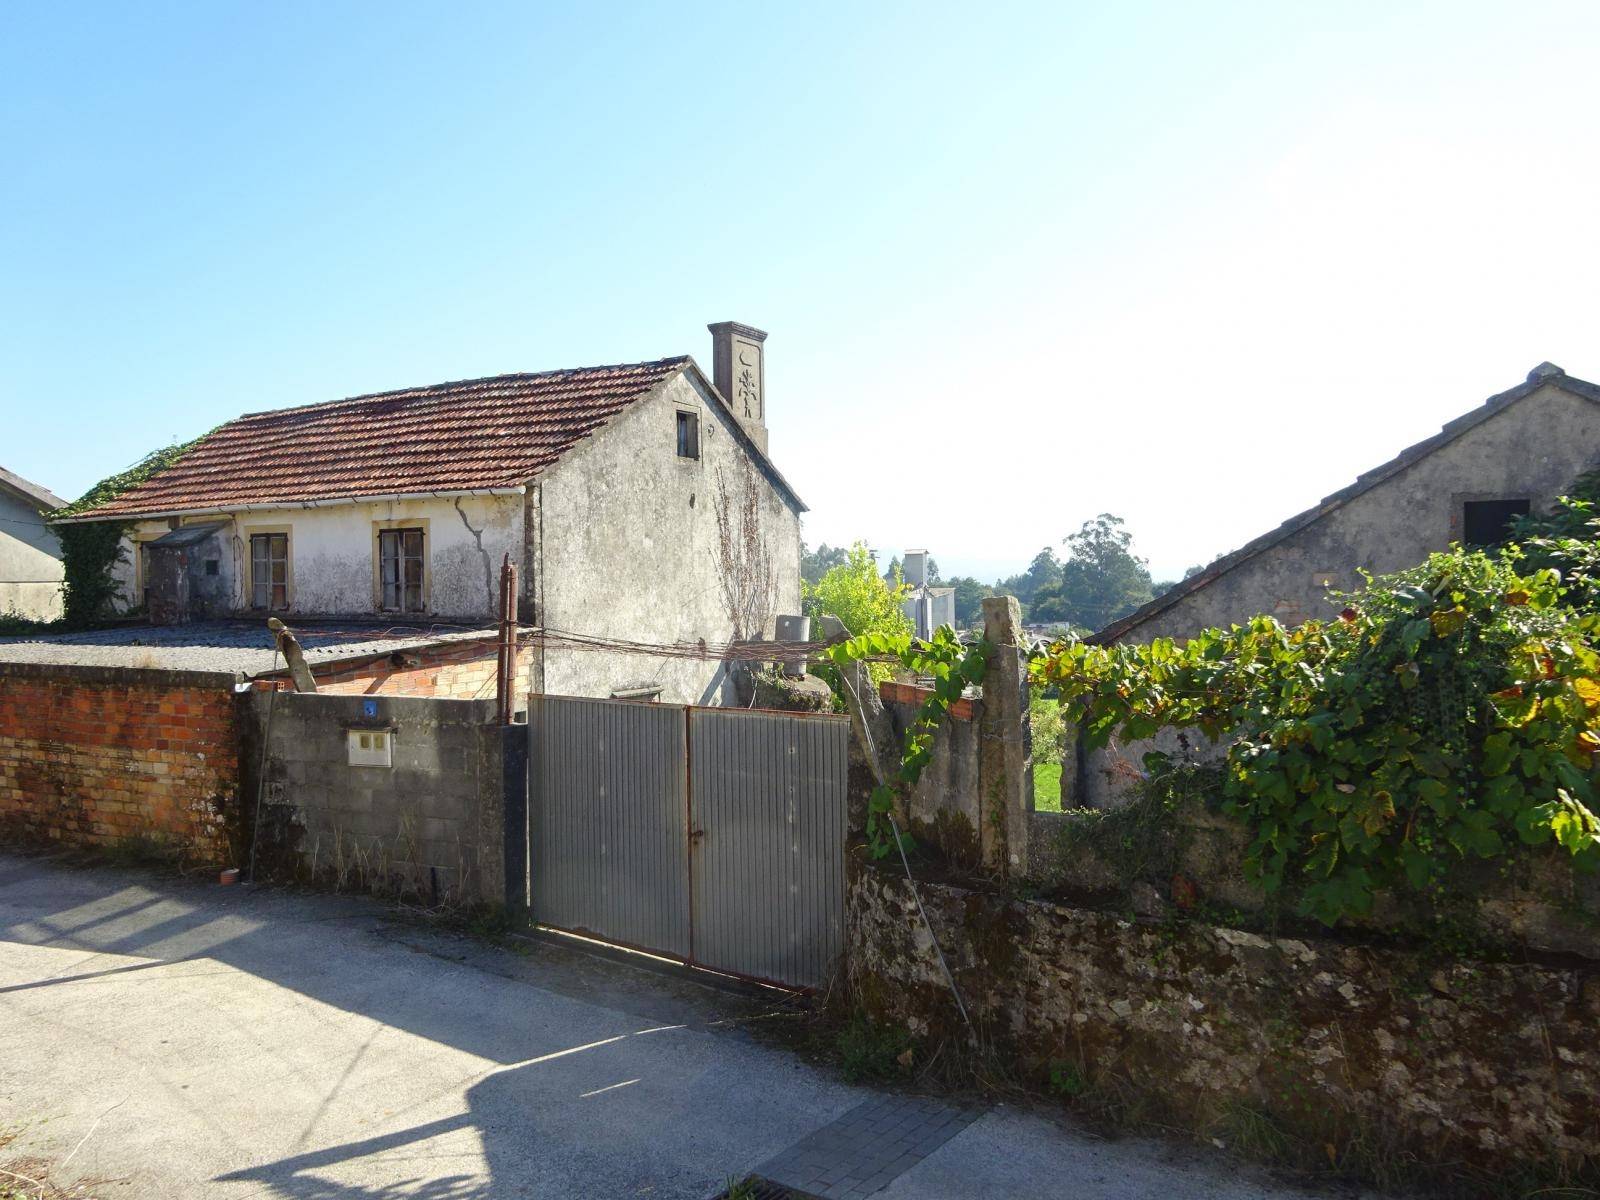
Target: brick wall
[[441, 672], [915, 695], [96, 757]]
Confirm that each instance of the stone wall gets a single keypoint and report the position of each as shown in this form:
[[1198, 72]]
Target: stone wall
[[98, 756], [1156, 859], [942, 810], [1531, 449], [1493, 1064], [430, 825]]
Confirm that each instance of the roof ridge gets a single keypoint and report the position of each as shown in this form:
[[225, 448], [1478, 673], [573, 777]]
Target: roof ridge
[[1541, 376], [509, 376]]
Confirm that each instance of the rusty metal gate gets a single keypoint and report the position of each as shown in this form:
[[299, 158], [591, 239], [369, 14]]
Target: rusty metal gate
[[712, 836]]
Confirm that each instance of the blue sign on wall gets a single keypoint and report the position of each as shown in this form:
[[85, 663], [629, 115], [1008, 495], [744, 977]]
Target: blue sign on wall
[[369, 708]]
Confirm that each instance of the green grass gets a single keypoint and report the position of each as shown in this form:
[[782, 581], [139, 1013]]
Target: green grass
[[1047, 786]]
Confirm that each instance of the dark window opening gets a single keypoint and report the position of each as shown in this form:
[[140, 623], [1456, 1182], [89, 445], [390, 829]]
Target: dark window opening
[[400, 569], [212, 566], [1488, 522], [269, 571], [688, 435]]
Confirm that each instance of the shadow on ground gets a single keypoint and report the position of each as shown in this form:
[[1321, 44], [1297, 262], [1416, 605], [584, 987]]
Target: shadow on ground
[[409, 1062]]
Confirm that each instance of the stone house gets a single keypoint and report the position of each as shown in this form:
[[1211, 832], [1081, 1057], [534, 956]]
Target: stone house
[[1514, 453], [30, 555], [637, 501]]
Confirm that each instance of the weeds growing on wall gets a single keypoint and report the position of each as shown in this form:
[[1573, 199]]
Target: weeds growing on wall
[[951, 666], [90, 552], [1451, 713]]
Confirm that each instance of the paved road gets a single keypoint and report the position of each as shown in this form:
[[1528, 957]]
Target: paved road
[[177, 1039]]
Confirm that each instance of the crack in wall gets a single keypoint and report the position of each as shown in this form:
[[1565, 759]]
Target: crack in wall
[[488, 567]]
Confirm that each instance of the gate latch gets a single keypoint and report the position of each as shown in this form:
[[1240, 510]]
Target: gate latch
[[696, 834]]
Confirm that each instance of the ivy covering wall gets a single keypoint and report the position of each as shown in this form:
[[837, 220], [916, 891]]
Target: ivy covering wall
[[91, 551], [1450, 714]]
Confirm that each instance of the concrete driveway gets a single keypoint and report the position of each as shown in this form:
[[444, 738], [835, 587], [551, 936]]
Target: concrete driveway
[[178, 1039]]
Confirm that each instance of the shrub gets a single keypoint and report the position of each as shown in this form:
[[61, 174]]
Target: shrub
[[1449, 713]]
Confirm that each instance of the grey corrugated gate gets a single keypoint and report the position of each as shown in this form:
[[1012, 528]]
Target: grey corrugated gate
[[709, 835]]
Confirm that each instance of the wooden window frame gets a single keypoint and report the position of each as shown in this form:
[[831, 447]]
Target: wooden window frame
[[250, 533], [691, 418], [379, 528]]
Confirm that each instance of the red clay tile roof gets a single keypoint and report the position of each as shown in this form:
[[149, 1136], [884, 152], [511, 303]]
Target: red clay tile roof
[[471, 435]]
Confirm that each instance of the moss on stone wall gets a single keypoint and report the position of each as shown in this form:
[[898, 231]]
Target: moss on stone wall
[[1361, 1059]]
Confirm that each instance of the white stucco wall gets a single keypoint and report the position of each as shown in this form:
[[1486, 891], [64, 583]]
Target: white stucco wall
[[30, 562], [629, 535], [331, 553]]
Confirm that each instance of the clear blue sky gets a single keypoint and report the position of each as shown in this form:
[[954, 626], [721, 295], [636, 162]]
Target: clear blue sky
[[1197, 265]]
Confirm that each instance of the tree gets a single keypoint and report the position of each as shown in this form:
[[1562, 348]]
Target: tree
[[814, 564], [1161, 586], [1044, 570], [969, 598], [862, 600], [1049, 606], [1101, 579], [855, 594]]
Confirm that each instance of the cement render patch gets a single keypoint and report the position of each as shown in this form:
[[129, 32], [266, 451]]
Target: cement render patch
[[218, 1042]]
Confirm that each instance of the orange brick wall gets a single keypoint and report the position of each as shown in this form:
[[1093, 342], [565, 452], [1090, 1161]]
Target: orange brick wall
[[449, 673], [913, 694], [91, 763]]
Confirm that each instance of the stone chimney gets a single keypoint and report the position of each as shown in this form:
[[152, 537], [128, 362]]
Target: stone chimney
[[915, 568], [738, 368]]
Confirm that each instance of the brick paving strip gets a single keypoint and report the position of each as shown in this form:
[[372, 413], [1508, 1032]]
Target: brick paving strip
[[867, 1147]]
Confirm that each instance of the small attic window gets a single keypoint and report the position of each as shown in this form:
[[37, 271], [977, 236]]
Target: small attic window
[[688, 435], [1488, 522]]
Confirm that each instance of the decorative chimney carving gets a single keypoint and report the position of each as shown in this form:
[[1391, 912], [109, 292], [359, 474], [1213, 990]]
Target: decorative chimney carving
[[738, 368]]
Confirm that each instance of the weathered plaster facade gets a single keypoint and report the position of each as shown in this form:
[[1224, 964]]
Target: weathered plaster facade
[[333, 553], [662, 524], [1530, 446], [30, 555], [630, 546]]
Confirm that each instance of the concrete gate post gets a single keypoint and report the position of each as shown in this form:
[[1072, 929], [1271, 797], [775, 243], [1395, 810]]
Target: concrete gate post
[[1005, 755]]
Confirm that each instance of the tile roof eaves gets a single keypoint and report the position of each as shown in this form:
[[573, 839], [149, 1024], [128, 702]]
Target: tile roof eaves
[[264, 505]]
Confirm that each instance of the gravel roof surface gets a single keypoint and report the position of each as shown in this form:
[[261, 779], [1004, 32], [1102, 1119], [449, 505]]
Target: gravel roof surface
[[225, 647]]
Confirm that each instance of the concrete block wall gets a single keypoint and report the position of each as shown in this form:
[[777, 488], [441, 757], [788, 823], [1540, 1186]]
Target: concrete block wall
[[94, 756], [431, 824]]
